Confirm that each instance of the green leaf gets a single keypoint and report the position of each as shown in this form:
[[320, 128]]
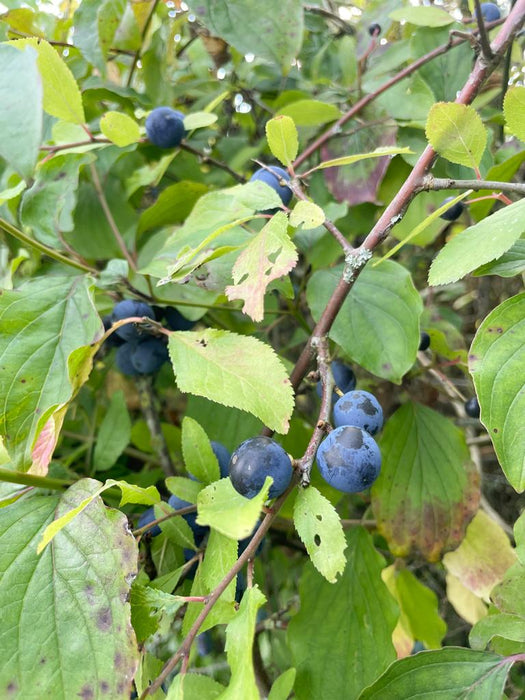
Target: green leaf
[[95, 24], [348, 160], [422, 16], [447, 674], [341, 638], [46, 326], [501, 625], [47, 207], [282, 139], [378, 325], [513, 110], [496, 361], [457, 133], [119, 128], [83, 577], [221, 507], [310, 112], [199, 458], [428, 488], [239, 641], [173, 205], [510, 264], [221, 555], [61, 94], [148, 607], [483, 557], [233, 370], [21, 113], [130, 494], [507, 596], [478, 244], [307, 214], [194, 686], [187, 489], [282, 685], [113, 435], [275, 35], [319, 527], [198, 120], [176, 528], [269, 255]]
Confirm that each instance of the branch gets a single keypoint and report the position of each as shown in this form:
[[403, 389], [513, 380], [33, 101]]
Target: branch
[[33, 243], [209, 159], [147, 401], [142, 36], [323, 361], [435, 183], [181, 511], [249, 553], [394, 211], [109, 216], [367, 99], [483, 38], [42, 482]]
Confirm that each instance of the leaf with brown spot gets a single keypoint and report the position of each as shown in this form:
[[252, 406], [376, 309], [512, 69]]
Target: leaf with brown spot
[[428, 489], [68, 605]]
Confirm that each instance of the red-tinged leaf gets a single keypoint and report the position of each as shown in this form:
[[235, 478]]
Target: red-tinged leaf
[[270, 255], [359, 182], [43, 449], [428, 489]]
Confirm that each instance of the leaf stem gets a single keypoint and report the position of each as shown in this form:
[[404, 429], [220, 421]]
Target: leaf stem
[[32, 243], [42, 482]]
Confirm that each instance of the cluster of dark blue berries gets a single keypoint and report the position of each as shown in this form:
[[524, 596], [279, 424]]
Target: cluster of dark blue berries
[[349, 458], [139, 352]]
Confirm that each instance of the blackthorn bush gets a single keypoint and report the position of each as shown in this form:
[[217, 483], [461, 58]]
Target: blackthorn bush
[[344, 378]]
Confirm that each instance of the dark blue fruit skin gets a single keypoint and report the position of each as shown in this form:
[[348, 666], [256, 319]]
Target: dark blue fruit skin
[[374, 29], [199, 531], [253, 461], [149, 355], [349, 459], [176, 321], [123, 360], [147, 517], [165, 127], [360, 409], [490, 11], [472, 408], [454, 212], [344, 378], [263, 175], [424, 341], [126, 309], [223, 457]]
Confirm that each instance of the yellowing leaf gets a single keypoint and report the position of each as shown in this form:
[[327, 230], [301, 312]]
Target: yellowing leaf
[[457, 133], [467, 604], [483, 557], [514, 111], [119, 128], [282, 138], [308, 214], [62, 96], [270, 255]]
